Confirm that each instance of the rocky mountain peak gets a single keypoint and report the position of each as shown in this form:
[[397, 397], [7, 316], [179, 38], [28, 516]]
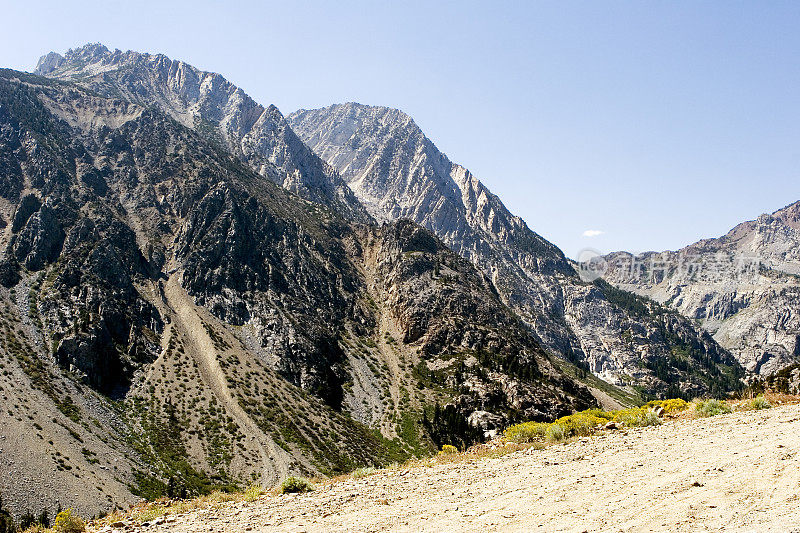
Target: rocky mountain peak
[[88, 52], [48, 63], [743, 287], [789, 215], [398, 172], [217, 109]]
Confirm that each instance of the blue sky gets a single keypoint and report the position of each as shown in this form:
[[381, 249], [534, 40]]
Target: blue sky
[[655, 123]]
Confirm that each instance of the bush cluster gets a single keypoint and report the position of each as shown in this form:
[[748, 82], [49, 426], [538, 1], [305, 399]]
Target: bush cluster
[[364, 471], [705, 408], [640, 417], [675, 405], [755, 404], [68, 522], [527, 432], [294, 484], [586, 422], [448, 449]]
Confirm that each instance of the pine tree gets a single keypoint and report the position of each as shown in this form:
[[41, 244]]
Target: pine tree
[[7, 524], [44, 518]]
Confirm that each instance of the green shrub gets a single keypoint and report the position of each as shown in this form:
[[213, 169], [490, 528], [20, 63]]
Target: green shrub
[[599, 413], [650, 418], [707, 408], [640, 417], [69, 522], [526, 432], [364, 472], [756, 404], [294, 484], [580, 423], [555, 432], [759, 402]]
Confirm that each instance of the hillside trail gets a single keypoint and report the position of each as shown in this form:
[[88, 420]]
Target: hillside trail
[[737, 472], [189, 320]]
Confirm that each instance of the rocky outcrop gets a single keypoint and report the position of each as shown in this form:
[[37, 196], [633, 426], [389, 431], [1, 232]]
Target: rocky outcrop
[[784, 381], [468, 341], [742, 287]]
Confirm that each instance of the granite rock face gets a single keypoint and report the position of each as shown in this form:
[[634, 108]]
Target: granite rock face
[[468, 340], [742, 287]]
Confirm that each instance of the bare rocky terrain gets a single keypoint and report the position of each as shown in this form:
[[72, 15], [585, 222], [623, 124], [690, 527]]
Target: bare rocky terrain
[[737, 472], [397, 172]]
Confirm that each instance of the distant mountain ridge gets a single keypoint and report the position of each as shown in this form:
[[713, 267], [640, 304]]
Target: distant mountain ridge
[[744, 287]]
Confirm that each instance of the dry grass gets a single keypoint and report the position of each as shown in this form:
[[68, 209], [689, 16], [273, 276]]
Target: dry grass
[[363, 472], [777, 398], [148, 511]]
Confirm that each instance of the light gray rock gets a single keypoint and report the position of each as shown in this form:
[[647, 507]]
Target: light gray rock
[[215, 108]]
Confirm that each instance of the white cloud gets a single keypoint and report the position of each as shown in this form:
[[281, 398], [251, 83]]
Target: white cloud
[[592, 232]]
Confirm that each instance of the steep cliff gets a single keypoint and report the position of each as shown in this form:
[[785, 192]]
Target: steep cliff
[[217, 109], [397, 172]]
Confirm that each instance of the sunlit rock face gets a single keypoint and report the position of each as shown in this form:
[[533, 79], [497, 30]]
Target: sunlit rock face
[[743, 287]]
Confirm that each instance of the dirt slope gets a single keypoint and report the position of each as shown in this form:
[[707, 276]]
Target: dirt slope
[[738, 472], [275, 464]]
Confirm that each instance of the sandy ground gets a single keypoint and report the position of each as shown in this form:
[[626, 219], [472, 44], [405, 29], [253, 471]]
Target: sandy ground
[[738, 472]]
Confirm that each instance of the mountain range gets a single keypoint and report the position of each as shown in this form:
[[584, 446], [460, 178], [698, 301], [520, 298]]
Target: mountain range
[[198, 291], [176, 320], [397, 173]]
